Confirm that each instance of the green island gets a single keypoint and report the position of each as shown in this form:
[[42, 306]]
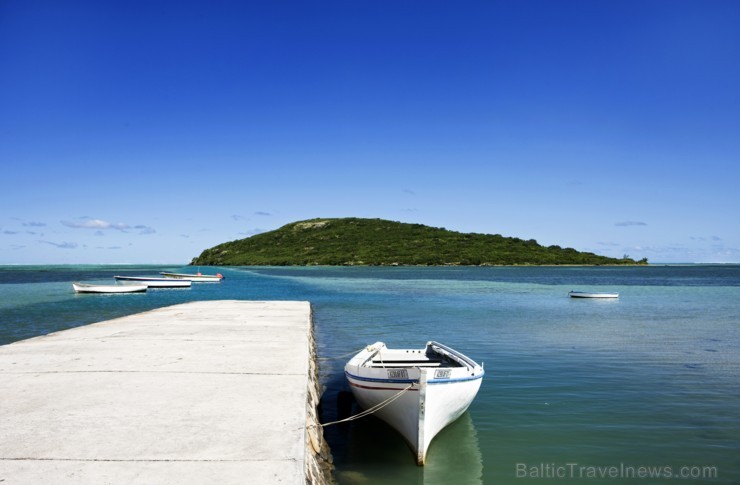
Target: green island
[[377, 242]]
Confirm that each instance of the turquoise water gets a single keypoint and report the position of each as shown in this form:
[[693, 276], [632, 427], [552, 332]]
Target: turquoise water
[[575, 390]]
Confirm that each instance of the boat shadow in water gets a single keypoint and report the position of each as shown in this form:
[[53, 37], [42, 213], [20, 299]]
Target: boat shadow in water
[[368, 450], [455, 453]]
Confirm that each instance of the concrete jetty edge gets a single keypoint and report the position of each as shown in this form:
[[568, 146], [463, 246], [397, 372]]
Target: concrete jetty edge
[[202, 392], [319, 462]]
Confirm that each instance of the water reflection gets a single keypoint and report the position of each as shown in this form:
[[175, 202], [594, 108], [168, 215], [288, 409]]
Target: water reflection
[[378, 454], [455, 453]]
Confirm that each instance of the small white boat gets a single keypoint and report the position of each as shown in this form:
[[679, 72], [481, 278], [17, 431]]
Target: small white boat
[[92, 288], [587, 294], [198, 277], [154, 282], [416, 391]]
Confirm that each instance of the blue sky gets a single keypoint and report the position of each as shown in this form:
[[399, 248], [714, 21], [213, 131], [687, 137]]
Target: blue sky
[[145, 132]]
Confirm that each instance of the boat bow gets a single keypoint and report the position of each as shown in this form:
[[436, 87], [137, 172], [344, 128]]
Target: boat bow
[[417, 391]]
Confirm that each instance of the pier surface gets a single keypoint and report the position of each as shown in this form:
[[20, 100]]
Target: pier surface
[[203, 392]]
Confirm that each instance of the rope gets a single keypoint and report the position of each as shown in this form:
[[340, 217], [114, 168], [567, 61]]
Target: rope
[[366, 412]]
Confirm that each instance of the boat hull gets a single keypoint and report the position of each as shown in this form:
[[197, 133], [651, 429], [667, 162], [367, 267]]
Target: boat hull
[[154, 282], [87, 288], [419, 402], [193, 277], [585, 294]]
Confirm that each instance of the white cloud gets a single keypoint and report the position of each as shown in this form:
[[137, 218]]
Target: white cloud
[[87, 223], [630, 223], [145, 229], [61, 245], [100, 225]]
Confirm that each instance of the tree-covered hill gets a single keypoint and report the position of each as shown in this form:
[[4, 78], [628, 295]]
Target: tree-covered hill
[[353, 241]]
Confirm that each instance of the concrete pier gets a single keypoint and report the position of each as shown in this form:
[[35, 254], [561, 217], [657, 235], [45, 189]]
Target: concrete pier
[[204, 392]]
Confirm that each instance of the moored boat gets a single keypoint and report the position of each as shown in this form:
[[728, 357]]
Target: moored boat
[[197, 278], [416, 391], [95, 288], [154, 282], [591, 294]]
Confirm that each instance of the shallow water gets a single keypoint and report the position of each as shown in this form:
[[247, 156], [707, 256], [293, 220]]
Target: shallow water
[[572, 386]]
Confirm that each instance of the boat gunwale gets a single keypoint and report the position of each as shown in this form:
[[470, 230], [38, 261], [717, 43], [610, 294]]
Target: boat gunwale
[[458, 379], [438, 348], [453, 354], [103, 288], [593, 294], [377, 379], [190, 275], [142, 278], [412, 381], [154, 282]]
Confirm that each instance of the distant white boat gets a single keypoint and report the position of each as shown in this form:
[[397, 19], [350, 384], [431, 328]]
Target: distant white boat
[[92, 288], [587, 294], [416, 391], [198, 277], [154, 282]]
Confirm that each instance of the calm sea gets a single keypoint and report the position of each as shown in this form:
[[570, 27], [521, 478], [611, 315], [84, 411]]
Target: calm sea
[[643, 389]]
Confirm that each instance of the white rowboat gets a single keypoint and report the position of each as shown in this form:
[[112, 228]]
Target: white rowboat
[[154, 282], [88, 288], [586, 294], [418, 391], [198, 278]]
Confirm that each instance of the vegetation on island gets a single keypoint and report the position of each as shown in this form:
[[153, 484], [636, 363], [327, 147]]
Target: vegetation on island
[[378, 242]]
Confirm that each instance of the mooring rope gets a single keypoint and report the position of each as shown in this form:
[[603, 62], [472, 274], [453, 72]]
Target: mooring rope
[[366, 412]]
